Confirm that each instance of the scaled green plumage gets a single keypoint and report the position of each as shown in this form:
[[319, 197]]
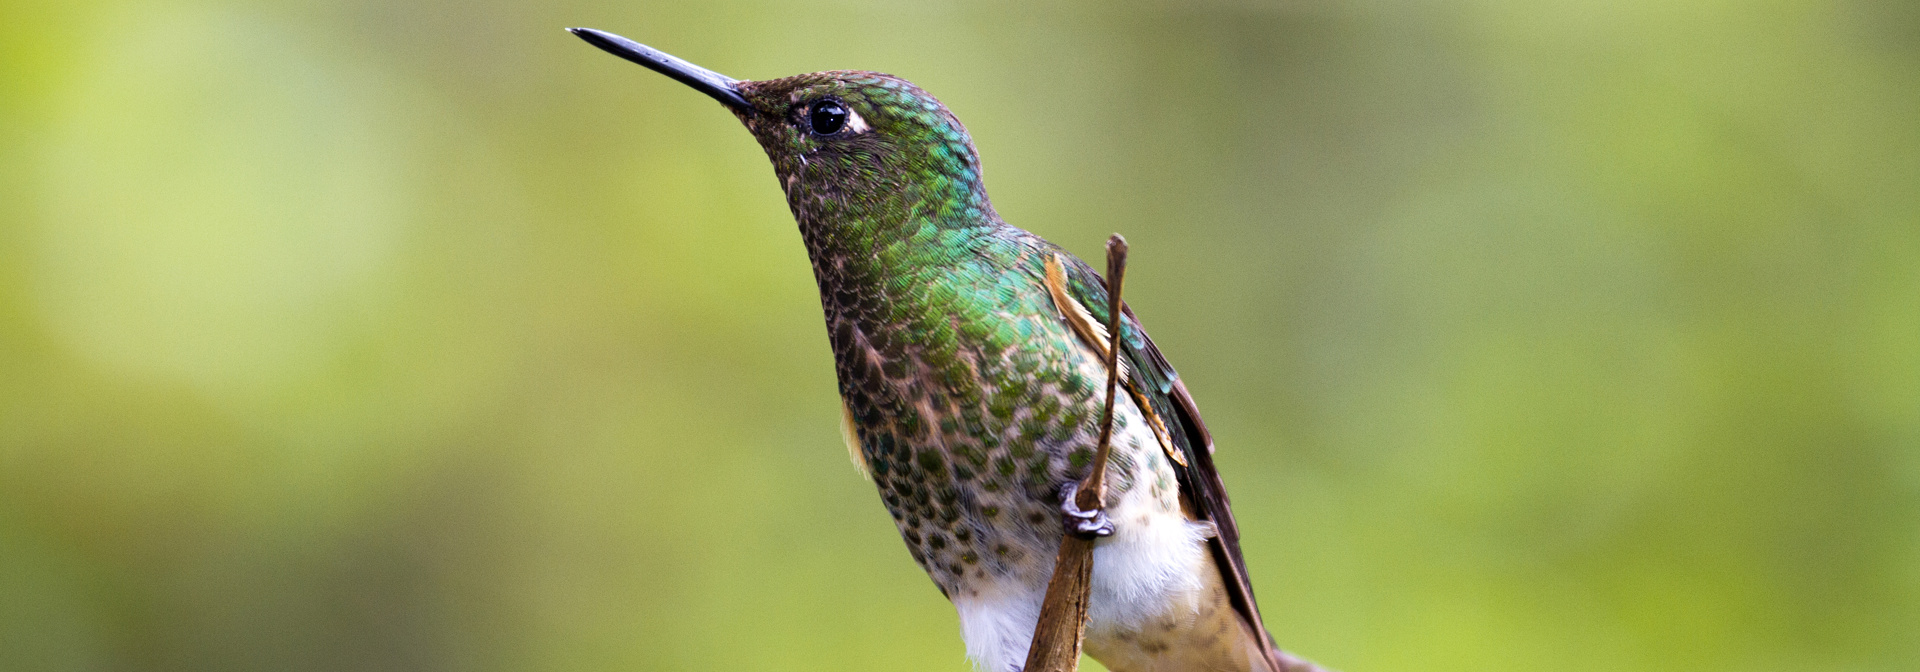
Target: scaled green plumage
[[970, 394], [916, 267]]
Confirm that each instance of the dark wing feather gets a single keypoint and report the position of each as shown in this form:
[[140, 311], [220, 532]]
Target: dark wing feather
[[1160, 384]]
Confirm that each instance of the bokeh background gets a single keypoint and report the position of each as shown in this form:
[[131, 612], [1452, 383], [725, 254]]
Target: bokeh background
[[417, 335]]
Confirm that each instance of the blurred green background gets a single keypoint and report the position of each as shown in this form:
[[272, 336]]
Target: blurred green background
[[420, 335]]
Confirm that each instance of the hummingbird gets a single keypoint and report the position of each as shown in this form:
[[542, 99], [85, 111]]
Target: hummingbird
[[971, 363]]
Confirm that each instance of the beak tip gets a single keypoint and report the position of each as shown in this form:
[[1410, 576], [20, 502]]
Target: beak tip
[[593, 37]]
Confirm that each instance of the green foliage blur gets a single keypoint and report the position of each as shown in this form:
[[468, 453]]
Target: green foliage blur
[[419, 335]]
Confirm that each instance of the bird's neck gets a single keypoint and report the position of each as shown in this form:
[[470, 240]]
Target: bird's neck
[[877, 232]]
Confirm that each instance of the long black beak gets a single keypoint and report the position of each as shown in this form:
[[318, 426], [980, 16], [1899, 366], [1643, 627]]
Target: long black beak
[[723, 88]]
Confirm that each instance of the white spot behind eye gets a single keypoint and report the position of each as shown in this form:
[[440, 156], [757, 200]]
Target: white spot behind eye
[[856, 123]]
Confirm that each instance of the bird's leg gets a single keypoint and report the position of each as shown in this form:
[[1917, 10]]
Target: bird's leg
[[1083, 523]]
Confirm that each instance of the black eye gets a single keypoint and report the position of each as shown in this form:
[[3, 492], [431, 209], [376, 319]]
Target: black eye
[[827, 117]]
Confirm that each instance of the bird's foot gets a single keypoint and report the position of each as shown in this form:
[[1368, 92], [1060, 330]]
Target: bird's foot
[[1083, 523]]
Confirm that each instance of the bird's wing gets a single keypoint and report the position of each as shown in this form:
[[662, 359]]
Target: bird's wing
[[1151, 379]]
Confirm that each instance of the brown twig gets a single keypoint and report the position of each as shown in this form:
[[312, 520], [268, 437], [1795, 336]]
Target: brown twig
[[1093, 491], [1063, 613]]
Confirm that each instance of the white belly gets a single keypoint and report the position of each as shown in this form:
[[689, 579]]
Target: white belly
[[1150, 565]]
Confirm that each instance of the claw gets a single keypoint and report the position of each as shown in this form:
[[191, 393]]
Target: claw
[[1084, 524]]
